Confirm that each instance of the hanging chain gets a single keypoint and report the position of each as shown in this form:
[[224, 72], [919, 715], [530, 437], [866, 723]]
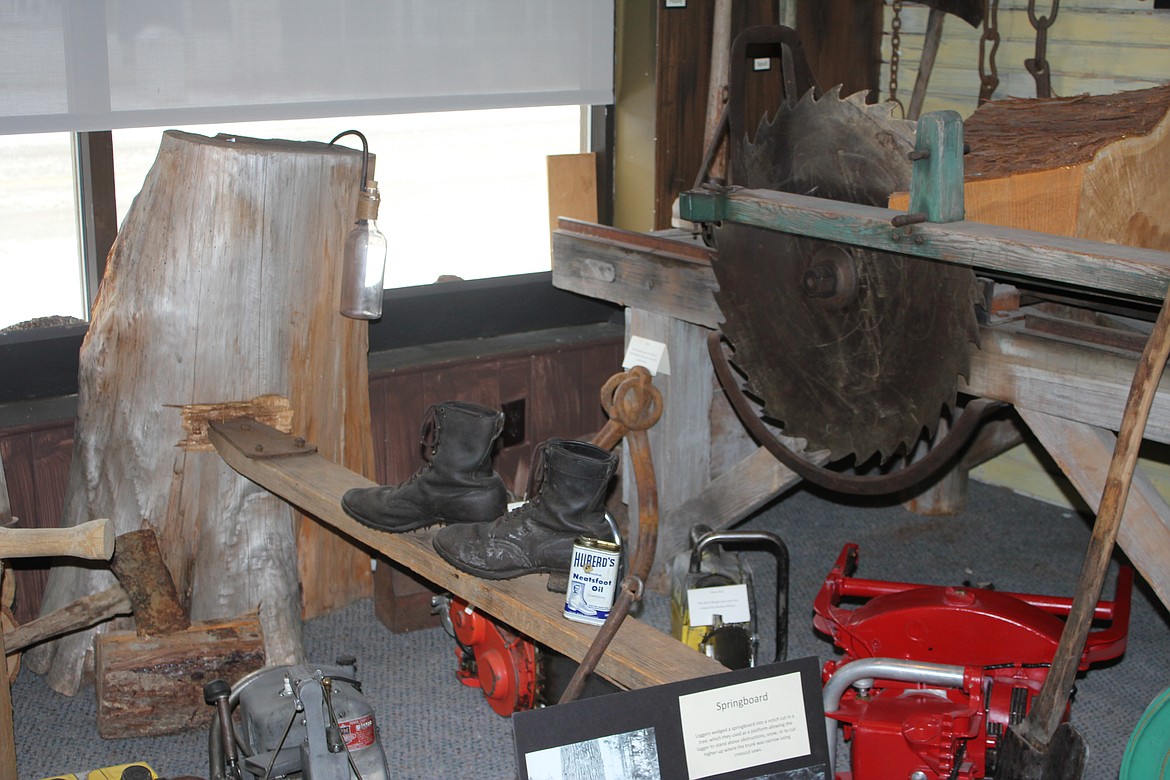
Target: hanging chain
[[988, 46], [1038, 66], [896, 52]]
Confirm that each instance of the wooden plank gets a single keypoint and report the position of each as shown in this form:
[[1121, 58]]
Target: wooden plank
[[572, 187], [1083, 453], [1082, 383], [1093, 265], [639, 655], [664, 276]]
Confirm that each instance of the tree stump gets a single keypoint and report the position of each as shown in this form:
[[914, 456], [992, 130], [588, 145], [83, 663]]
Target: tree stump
[[222, 287]]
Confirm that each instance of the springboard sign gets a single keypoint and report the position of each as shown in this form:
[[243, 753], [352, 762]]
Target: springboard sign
[[763, 723]]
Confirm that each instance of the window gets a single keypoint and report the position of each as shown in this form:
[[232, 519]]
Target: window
[[480, 172], [471, 98], [40, 272]]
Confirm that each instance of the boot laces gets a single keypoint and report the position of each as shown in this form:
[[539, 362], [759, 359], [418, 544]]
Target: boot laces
[[429, 440], [537, 469]]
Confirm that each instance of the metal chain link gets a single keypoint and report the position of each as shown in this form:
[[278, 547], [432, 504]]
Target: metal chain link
[[1038, 65], [988, 46], [896, 52]]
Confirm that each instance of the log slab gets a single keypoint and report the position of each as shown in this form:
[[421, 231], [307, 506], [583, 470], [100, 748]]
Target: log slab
[[150, 686]]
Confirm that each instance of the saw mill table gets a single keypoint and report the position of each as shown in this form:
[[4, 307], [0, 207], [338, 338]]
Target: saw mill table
[[1069, 391], [639, 655]]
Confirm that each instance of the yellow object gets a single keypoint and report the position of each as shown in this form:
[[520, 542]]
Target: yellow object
[[108, 773]]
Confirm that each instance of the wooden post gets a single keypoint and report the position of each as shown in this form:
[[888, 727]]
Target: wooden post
[[222, 287]]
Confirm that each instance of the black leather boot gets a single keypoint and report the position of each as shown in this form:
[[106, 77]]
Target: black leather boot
[[568, 501], [457, 483]]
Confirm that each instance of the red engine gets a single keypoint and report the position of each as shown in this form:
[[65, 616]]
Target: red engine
[[935, 674], [492, 658]]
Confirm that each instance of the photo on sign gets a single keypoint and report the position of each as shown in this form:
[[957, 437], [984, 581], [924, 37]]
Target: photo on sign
[[632, 755]]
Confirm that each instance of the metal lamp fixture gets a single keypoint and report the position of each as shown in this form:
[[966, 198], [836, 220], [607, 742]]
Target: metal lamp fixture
[[364, 262]]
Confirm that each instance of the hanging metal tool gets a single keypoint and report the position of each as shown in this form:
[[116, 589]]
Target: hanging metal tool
[[1038, 66], [971, 11]]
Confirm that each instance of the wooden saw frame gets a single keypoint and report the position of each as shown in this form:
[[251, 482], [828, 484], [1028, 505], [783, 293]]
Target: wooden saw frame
[[1070, 393]]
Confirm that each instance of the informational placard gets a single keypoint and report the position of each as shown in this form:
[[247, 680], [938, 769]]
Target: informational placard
[[729, 602], [648, 353], [743, 726], [762, 723]]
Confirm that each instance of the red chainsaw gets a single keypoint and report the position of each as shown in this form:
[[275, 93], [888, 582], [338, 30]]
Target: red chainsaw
[[932, 676]]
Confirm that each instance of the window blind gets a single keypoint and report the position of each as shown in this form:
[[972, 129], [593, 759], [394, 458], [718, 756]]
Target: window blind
[[80, 65]]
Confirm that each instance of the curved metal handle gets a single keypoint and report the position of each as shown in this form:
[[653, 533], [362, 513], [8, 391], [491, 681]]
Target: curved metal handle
[[779, 551], [862, 485]]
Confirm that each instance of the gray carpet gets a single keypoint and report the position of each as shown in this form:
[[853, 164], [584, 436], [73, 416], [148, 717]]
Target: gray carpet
[[434, 727]]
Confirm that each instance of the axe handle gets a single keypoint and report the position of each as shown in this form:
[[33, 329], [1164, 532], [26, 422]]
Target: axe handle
[[934, 30], [93, 540], [1050, 703]]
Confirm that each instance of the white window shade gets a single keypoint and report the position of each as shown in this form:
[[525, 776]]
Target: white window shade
[[100, 65]]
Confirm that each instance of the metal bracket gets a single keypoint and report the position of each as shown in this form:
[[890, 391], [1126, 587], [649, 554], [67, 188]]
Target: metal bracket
[[259, 441], [936, 178]]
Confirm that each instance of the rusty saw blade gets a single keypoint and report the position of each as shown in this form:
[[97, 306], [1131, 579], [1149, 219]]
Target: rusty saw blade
[[857, 351]]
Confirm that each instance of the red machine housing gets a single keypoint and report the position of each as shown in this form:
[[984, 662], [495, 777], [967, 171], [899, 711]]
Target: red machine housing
[[492, 658], [1004, 641]]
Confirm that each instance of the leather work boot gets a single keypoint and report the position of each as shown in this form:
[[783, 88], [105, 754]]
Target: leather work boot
[[456, 484], [568, 501]]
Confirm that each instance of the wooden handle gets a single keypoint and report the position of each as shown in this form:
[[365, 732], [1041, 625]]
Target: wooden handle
[[1050, 703], [93, 540]]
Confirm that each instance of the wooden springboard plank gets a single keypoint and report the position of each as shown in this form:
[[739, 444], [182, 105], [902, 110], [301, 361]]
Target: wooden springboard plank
[[1083, 453], [639, 656]]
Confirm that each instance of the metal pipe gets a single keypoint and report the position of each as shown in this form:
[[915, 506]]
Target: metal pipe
[[887, 669]]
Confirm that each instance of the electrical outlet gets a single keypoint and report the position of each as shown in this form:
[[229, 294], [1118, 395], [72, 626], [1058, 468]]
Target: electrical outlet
[[513, 432]]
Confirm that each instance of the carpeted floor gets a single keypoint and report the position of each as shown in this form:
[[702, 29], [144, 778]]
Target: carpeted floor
[[434, 727]]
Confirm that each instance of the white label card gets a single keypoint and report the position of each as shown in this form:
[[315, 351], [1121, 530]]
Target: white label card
[[645, 352], [762, 63], [729, 602], [744, 725]]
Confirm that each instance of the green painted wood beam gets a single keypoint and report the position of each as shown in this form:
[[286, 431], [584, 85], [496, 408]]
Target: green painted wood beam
[[1101, 268]]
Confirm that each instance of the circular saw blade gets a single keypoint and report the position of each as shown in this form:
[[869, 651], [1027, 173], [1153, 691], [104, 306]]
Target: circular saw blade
[[857, 351], [862, 375]]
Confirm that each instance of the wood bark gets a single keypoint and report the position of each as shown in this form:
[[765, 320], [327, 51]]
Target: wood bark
[[149, 686], [1090, 167], [222, 286]]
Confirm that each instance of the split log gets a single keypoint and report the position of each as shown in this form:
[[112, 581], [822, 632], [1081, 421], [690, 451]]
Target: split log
[[223, 286], [139, 567], [150, 686]]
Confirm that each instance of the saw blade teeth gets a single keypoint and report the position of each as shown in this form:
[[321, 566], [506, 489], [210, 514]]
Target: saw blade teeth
[[858, 98], [833, 92], [809, 97]]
